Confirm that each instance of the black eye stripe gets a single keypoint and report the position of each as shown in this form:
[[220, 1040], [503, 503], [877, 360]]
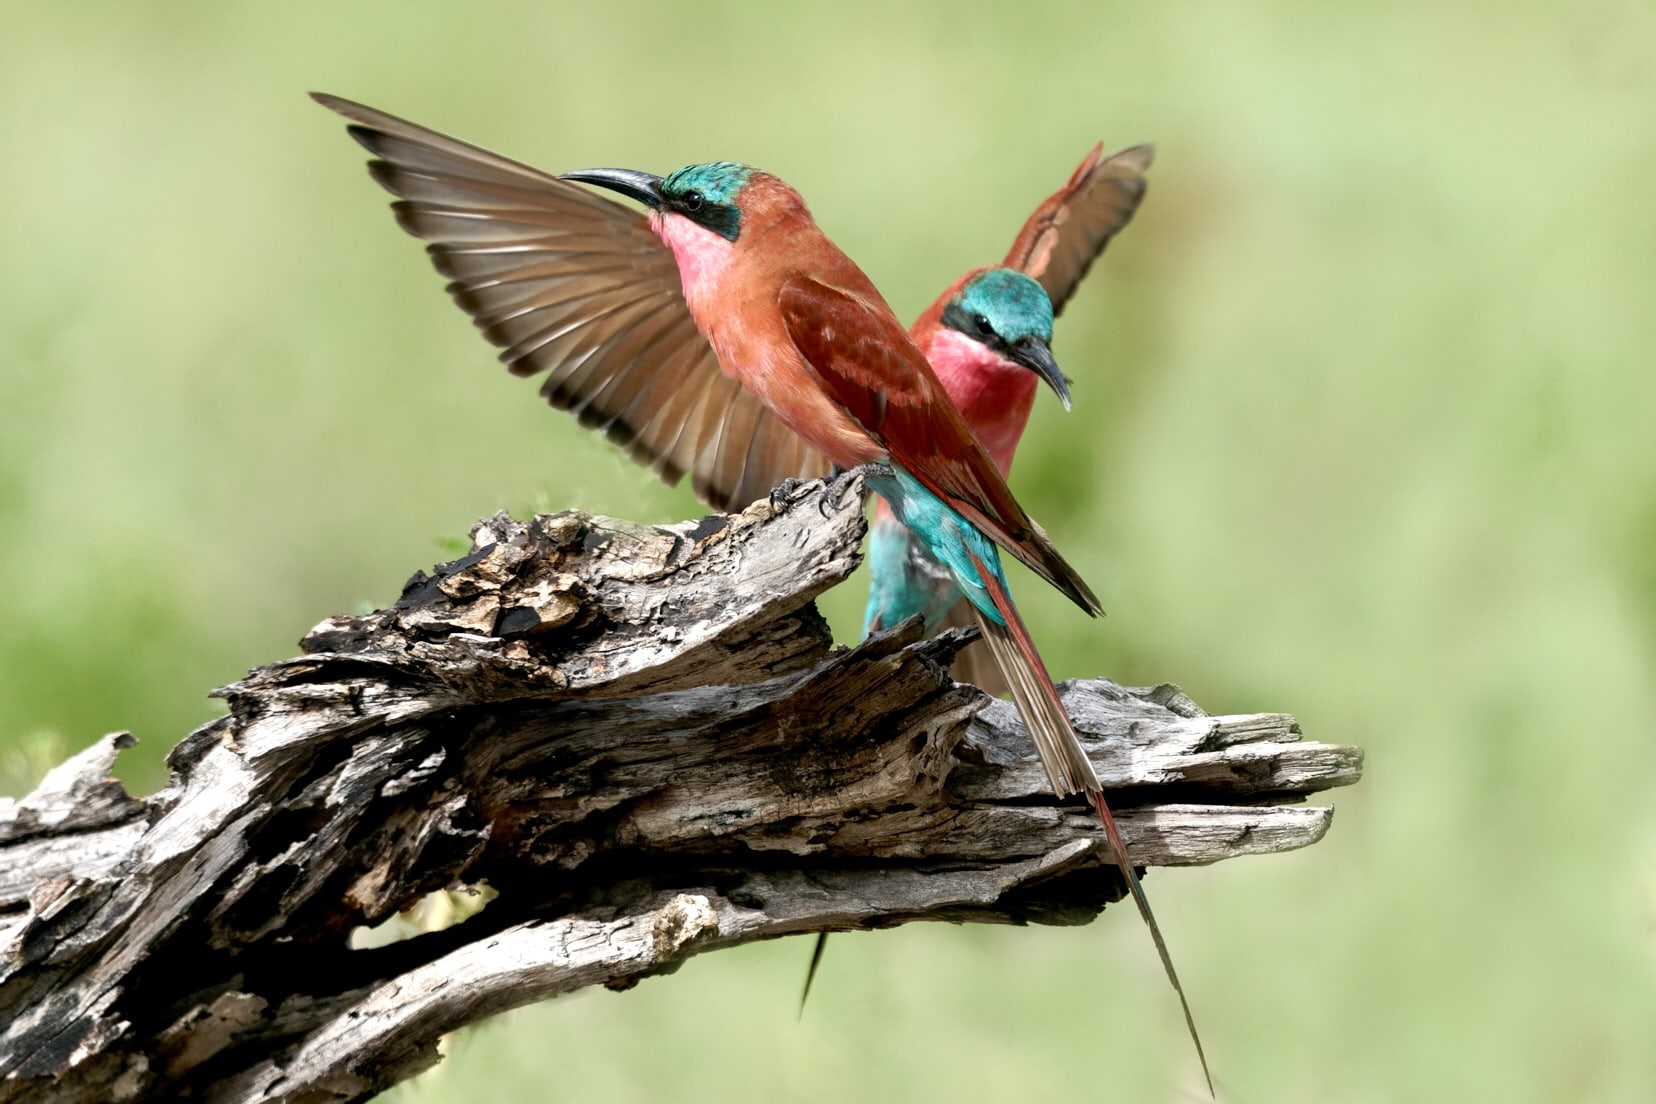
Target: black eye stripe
[[712, 213], [982, 323]]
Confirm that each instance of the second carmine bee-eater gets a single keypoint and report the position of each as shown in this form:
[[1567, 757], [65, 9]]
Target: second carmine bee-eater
[[988, 337], [729, 278]]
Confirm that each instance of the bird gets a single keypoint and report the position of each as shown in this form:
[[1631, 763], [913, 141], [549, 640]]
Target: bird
[[988, 337], [971, 335], [728, 279]]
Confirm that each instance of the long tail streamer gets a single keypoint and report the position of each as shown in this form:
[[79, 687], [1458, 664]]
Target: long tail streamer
[[1066, 762], [811, 970]]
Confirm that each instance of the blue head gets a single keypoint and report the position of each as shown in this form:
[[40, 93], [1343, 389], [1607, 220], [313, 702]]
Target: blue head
[[1010, 313], [706, 194]]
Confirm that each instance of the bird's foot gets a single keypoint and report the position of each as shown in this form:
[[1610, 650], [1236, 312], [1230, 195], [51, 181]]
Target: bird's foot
[[783, 492], [833, 498]]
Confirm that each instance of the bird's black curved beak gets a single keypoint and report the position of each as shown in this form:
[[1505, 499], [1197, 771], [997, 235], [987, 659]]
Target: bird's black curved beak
[[642, 186], [1036, 355]]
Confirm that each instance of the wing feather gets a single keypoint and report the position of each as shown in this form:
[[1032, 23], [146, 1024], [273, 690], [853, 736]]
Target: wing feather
[[868, 364], [570, 284], [1071, 227]]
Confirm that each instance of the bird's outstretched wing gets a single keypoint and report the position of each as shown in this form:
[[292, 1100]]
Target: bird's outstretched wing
[[1071, 227], [573, 285], [867, 363]]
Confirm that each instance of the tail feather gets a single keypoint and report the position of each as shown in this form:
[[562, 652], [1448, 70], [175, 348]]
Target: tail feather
[[1067, 766], [1032, 548], [974, 665], [1066, 762], [811, 970], [1143, 904]]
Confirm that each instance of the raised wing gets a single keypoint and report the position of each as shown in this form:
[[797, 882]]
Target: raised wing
[[866, 362], [1072, 226], [568, 283]]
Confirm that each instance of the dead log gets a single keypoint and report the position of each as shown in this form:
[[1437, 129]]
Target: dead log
[[641, 738]]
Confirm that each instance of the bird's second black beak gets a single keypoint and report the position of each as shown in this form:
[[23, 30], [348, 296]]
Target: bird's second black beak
[[642, 186], [1036, 355]]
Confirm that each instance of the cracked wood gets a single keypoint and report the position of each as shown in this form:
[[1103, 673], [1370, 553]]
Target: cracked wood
[[642, 738]]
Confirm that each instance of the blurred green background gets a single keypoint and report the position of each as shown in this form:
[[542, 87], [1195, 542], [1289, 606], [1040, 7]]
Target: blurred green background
[[1364, 429]]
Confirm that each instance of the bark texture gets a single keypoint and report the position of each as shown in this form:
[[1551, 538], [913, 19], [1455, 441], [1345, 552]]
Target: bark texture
[[641, 738]]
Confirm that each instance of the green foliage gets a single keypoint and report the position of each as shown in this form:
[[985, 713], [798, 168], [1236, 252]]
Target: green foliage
[[1362, 427]]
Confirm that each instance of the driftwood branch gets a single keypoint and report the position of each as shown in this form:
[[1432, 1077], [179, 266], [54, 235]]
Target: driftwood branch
[[642, 739]]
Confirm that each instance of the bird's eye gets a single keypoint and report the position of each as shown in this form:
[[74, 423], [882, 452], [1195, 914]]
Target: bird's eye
[[981, 321], [692, 202]]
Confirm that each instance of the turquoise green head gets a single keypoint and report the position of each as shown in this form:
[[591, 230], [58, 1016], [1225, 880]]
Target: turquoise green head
[[1010, 313], [706, 194]]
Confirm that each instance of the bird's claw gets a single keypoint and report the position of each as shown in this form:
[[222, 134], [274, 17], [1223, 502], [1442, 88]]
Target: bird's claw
[[833, 495], [833, 498], [783, 492]]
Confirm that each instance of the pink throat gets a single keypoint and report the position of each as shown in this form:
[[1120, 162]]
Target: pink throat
[[731, 294], [993, 393], [702, 255]]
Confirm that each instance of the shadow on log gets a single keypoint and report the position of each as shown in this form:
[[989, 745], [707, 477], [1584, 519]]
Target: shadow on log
[[641, 738]]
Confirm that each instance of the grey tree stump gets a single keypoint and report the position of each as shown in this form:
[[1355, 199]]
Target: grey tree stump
[[642, 738]]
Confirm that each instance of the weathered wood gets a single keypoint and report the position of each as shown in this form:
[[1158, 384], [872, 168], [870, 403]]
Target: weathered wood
[[642, 738]]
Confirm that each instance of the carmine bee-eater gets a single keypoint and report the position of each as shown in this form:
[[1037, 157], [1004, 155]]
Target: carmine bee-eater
[[730, 275], [989, 337], [986, 337]]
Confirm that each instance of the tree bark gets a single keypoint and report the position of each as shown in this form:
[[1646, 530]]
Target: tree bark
[[641, 738]]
